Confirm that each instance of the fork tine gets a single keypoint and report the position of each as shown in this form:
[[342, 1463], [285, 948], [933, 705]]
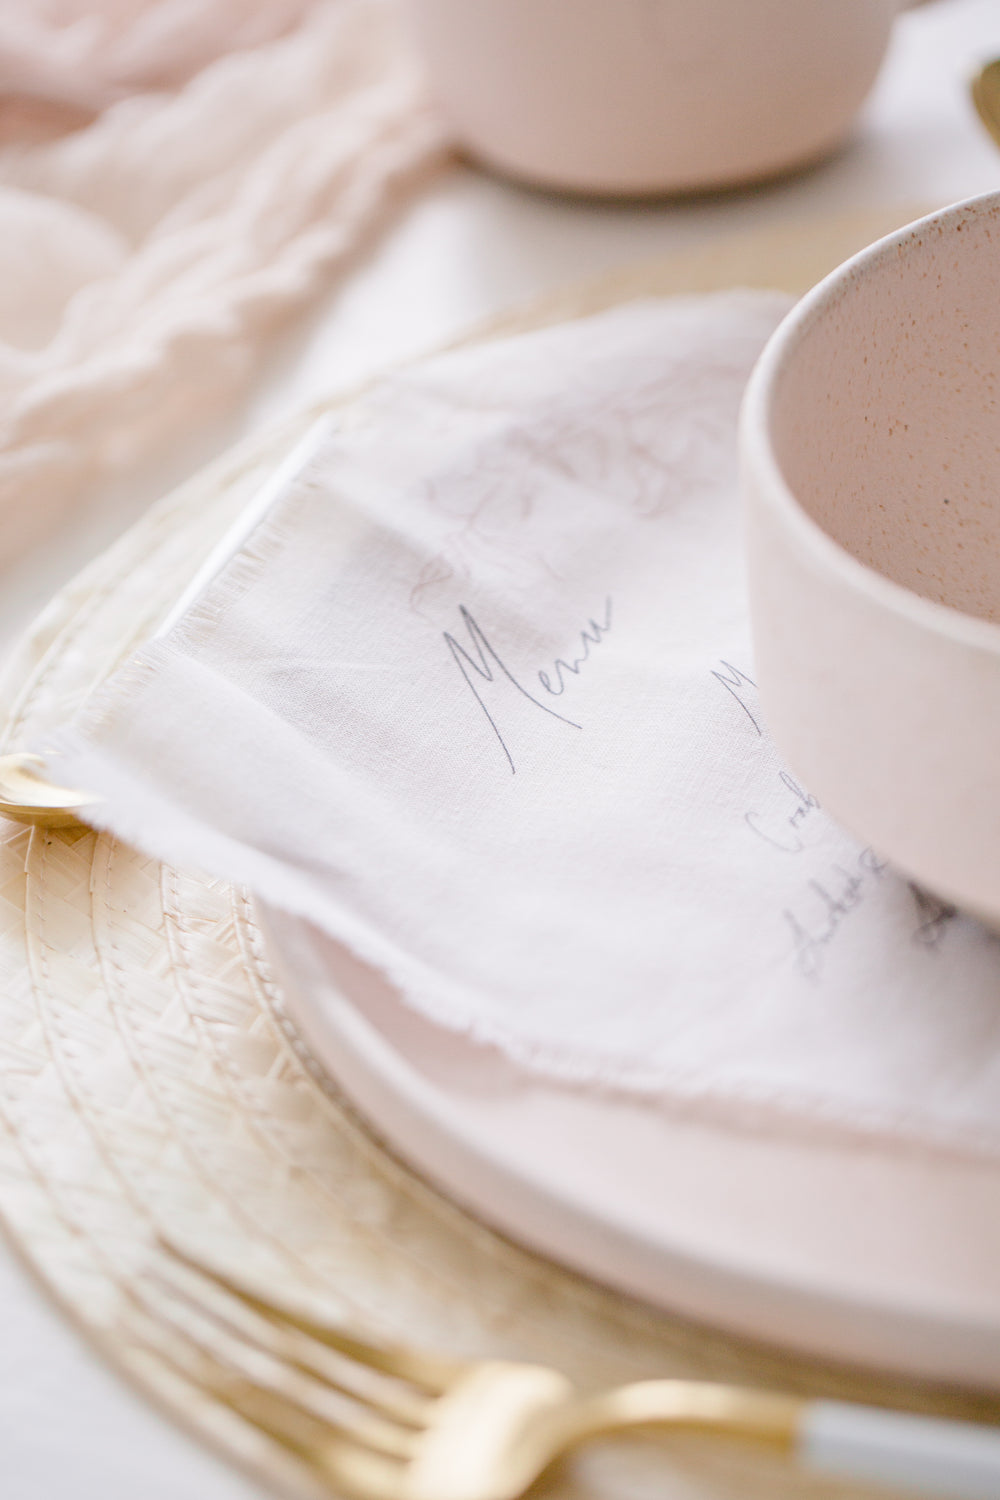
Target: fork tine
[[351, 1470], [434, 1373], [349, 1467], [238, 1363], [384, 1393]]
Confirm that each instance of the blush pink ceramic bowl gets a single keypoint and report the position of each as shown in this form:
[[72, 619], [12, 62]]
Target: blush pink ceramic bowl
[[871, 457], [650, 96]]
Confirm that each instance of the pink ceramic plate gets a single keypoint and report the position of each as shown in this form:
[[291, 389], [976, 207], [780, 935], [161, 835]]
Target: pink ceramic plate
[[872, 1255]]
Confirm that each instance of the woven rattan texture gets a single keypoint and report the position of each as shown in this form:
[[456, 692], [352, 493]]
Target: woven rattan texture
[[150, 1079]]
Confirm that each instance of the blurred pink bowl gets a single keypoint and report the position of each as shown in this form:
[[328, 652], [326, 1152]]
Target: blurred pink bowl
[[871, 455], [650, 96]]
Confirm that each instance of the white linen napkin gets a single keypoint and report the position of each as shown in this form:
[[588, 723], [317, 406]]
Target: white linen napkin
[[477, 697]]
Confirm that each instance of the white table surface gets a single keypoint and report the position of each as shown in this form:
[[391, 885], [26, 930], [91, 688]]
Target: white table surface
[[469, 247]]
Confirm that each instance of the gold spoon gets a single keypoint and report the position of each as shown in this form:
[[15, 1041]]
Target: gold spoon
[[985, 89], [26, 797]]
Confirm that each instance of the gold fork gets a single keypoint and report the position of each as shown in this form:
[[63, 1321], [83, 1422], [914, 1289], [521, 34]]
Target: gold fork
[[385, 1422]]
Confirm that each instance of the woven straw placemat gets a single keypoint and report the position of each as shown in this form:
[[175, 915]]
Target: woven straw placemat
[[151, 1080]]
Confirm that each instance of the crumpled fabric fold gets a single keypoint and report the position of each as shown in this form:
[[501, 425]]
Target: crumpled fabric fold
[[144, 256], [87, 54]]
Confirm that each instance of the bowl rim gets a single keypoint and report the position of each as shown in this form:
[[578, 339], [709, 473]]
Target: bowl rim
[[772, 490]]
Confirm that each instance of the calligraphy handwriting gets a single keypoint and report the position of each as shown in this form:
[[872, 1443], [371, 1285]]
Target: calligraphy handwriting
[[933, 917], [838, 895], [786, 836], [592, 637], [736, 682], [835, 905], [841, 893], [479, 660]]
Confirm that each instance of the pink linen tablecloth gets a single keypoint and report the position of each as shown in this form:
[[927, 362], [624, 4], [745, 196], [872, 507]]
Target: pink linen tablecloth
[[239, 157]]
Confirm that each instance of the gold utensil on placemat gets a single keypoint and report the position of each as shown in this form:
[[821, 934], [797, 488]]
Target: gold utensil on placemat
[[386, 1422], [985, 90], [26, 797]]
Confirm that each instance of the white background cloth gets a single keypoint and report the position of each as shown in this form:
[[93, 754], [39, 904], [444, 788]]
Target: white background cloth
[[471, 247]]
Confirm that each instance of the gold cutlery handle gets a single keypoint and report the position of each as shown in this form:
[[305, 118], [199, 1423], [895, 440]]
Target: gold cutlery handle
[[693, 1405], [959, 1460]]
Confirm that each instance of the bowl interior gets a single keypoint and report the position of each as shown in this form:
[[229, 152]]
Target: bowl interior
[[885, 418]]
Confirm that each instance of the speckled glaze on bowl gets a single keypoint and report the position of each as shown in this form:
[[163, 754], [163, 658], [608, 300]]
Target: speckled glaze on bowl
[[870, 440], [650, 96]]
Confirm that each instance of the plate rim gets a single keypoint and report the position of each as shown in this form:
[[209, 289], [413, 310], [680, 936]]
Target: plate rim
[[424, 1128]]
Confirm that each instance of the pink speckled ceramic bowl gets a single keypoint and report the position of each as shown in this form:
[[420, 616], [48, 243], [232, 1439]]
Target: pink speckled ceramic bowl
[[871, 453]]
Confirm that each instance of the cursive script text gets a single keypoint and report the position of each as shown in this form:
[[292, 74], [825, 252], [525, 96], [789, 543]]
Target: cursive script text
[[832, 900], [785, 834], [592, 635], [736, 682], [479, 662]]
